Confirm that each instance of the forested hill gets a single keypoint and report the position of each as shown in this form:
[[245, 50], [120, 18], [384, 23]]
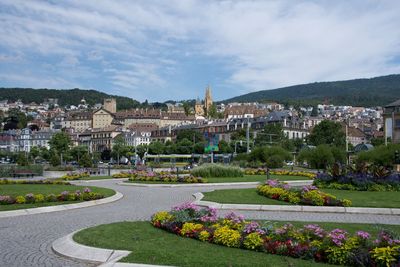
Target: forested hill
[[65, 97], [377, 91]]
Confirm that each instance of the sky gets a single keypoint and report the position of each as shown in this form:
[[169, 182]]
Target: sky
[[172, 50]]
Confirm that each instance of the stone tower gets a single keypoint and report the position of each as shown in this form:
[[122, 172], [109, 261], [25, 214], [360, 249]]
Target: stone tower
[[208, 99], [199, 108], [110, 104]]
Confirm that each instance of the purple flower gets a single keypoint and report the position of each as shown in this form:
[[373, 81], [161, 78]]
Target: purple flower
[[363, 235], [87, 190], [64, 193], [253, 227], [308, 188], [211, 216], [186, 205], [272, 183], [236, 218], [315, 229], [338, 236]]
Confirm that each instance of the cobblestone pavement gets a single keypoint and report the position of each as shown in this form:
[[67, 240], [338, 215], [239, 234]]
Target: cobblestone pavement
[[26, 240]]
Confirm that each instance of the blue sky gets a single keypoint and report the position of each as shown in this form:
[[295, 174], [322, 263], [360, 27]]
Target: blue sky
[[161, 50]]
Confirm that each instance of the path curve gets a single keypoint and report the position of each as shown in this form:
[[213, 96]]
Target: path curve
[[26, 240]]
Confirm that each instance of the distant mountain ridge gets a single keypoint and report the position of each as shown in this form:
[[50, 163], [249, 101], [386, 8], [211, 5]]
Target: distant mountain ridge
[[65, 96], [378, 91]]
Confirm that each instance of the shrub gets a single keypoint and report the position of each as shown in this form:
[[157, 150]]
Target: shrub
[[39, 198], [253, 241], [217, 170], [227, 237], [308, 195], [20, 200]]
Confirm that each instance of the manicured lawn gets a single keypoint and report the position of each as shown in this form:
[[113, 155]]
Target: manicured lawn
[[23, 189], [358, 198], [150, 245], [246, 178]]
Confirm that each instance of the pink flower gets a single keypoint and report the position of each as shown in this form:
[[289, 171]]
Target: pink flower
[[363, 235]]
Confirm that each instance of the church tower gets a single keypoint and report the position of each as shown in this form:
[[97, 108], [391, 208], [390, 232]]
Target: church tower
[[208, 99]]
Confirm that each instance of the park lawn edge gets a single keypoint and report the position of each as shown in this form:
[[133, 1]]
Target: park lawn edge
[[98, 237], [107, 192]]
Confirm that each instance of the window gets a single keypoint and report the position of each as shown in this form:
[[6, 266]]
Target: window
[[397, 123]]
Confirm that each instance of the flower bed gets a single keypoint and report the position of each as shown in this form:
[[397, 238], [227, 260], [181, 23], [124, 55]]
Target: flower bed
[[165, 177], [30, 198], [307, 195], [261, 171], [359, 182], [75, 176], [309, 242]]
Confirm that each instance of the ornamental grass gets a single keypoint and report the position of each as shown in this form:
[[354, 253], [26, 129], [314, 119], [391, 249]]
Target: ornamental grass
[[217, 170], [310, 242]]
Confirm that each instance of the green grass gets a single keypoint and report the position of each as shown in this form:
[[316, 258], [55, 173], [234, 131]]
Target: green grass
[[23, 189], [246, 178], [155, 246], [358, 198], [150, 245]]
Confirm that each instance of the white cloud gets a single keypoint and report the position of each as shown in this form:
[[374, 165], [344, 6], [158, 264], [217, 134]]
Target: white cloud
[[262, 44]]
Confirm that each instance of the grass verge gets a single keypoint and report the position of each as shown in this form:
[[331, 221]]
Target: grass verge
[[358, 198], [23, 189], [150, 245]]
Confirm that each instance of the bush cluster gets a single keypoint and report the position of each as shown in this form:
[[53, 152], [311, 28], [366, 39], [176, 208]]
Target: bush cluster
[[30, 198], [367, 180], [307, 195], [75, 176], [165, 177], [310, 242], [217, 170], [263, 171], [58, 182]]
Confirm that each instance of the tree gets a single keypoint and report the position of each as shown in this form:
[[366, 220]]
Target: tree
[[271, 134], [78, 151], [320, 157], [223, 147], [189, 134], [119, 148], [184, 146], [187, 107], [85, 161], [328, 132], [213, 113], [34, 153], [141, 150], [156, 148], [60, 143], [22, 159]]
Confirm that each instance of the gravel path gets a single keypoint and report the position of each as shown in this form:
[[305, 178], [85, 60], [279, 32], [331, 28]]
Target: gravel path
[[26, 240]]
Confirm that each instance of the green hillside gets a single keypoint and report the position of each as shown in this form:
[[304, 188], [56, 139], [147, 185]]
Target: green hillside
[[377, 91], [65, 97]]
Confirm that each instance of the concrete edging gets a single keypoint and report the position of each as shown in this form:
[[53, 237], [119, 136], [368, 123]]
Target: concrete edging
[[293, 183], [85, 204], [321, 209], [67, 247]]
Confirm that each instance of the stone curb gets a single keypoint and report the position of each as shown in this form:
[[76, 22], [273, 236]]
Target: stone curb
[[99, 180], [349, 210], [293, 183], [67, 247], [85, 204]]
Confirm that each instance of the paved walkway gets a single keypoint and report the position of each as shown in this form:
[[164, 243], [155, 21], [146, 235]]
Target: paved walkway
[[26, 240]]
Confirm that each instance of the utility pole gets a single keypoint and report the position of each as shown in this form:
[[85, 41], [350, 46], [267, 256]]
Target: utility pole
[[248, 135]]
